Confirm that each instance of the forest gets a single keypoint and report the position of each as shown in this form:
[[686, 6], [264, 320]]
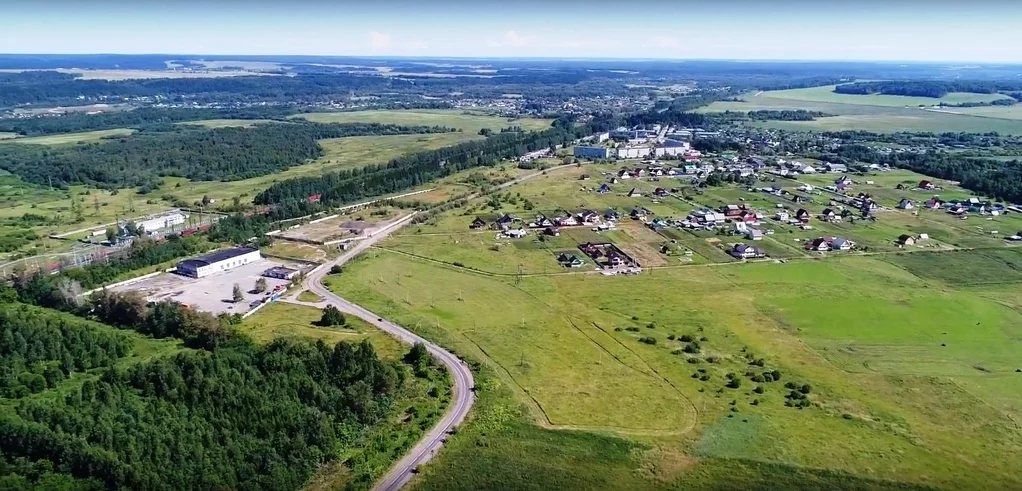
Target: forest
[[930, 88], [220, 154], [243, 416]]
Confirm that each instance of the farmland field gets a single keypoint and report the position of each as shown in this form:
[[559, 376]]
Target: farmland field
[[894, 347], [66, 138], [879, 113], [470, 123], [225, 123]]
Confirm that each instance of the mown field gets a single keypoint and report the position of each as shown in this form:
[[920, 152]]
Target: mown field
[[879, 113], [70, 138], [469, 122], [594, 382]]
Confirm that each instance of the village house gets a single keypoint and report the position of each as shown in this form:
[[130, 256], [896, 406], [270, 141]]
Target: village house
[[843, 183], [588, 217], [611, 214], [802, 215], [541, 222], [841, 244], [754, 234], [836, 167], [505, 221], [515, 233], [934, 203], [926, 185], [819, 244], [603, 189], [747, 217], [552, 231], [781, 216], [731, 211], [906, 240], [827, 215], [808, 169], [634, 193], [906, 204], [477, 223], [569, 260], [566, 221], [660, 192], [745, 251]]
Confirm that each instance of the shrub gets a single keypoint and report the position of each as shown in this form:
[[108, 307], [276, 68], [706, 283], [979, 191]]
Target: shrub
[[692, 347], [632, 329], [686, 338], [703, 339], [651, 325], [758, 362], [759, 389], [671, 337], [759, 379], [805, 389], [755, 402], [712, 359], [790, 385], [635, 317], [695, 375], [647, 340], [734, 383], [336, 269], [768, 377], [694, 360], [704, 377], [332, 317], [776, 374]]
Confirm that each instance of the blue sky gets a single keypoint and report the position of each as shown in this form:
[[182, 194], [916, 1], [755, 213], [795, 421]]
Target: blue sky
[[978, 31]]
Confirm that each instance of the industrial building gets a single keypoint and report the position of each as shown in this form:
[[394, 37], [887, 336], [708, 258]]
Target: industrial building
[[633, 152], [281, 273], [593, 152], [158, 222], [218, 261]]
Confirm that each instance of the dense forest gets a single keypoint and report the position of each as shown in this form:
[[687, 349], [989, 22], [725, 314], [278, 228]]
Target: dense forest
[[409, 171], [221, 154], [136, 118], [242, 416], [928, 88], [38, 350]]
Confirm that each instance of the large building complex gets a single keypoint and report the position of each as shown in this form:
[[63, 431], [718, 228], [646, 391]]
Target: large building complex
[[594, 152], [158, 222], [218, 261]]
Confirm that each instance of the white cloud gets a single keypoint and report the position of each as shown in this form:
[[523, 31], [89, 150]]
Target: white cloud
[[510, 39], [663, 42], [379, 40]]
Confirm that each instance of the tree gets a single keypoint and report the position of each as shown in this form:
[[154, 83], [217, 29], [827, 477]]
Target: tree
[[69, 292], [332, 317], [111, 234], [260, 285], [336, 269], [238, 295]]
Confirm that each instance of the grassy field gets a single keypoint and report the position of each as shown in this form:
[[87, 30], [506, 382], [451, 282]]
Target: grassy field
[[827, 94], [879, 113], [590, 382], [7, 136], [63, 139], [469, 123]]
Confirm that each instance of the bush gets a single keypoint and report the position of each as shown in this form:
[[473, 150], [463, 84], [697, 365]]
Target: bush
[[336, 269], [632, 329], [755, 402], [768, 377], [759, 379], [671, 337], [694, 360], [332, 317], [734, 383], [712, 359], [647, 340], [651, 325], [790, 385], [805, 389], [686, 338], [704, 377], [777, 375], [759, 389], [692, 347], [758, 362]]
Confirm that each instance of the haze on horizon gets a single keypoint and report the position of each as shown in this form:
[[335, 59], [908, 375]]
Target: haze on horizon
[[980, 32]]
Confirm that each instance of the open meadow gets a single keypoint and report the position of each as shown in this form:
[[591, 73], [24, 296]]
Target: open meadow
[[71, 138], [876, 112], [850, 370], [469, 122]]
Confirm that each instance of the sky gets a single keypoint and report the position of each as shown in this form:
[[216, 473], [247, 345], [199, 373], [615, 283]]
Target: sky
[[894, 30]]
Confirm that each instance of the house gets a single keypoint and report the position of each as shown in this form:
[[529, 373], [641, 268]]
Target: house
[[806, 188], [542, 221], [747, 217], [808, 170], [841, 244], [745, 251], [515, 233], [281, 273], [505, 221], [570, 260], [741, 227], [660, 192], [477, 223], [926, 185], [733, 211], [842, 183], [634, 193], [906, 239], [754, 234], [934, 203], [588, 217], [624, 174], [802, 215], [611, 214], [584, 177], [658, 224], [827, 214], [551, 231], [956, 209], [819, 244], [781, 216], [906, 204], [566, 221], [799, 199], [836, 167], [604, 188]]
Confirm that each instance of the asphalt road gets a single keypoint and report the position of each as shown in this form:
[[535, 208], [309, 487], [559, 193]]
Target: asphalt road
[[403, 471]]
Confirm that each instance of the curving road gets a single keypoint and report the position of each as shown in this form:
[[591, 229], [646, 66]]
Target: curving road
[[402, 472]]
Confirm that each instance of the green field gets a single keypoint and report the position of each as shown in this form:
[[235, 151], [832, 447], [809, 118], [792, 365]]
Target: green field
[[827, 94], [469, 123], [63, 139], [225, 123], [585, 381], [879, 113], [7, 136]]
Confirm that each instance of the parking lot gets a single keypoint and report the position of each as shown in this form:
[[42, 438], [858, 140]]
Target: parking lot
[[212, 293]]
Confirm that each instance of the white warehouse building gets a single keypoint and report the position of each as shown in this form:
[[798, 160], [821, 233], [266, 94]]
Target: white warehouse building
[[157, 222], [218, 261]]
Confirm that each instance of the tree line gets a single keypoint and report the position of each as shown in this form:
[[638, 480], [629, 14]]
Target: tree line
[[73, 122], [929, 88], [221, 154], [291, 196]]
